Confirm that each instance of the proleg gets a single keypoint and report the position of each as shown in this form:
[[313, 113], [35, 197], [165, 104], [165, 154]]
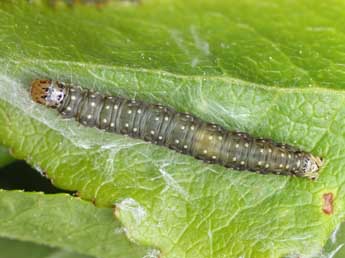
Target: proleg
[[181, 132]]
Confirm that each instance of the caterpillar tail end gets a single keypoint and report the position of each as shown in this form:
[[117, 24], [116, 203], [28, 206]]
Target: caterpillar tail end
[[312, 166], [47, 92]]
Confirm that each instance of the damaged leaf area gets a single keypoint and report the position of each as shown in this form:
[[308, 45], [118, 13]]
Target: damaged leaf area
[[278, 75]]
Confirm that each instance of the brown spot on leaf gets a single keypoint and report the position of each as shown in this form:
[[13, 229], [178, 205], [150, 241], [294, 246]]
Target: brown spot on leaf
[[327, 207]]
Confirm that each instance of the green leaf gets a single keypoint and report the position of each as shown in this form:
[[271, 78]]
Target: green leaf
[[15, 249], [5, 157], [272, 69], [335, 245], [63, 221]]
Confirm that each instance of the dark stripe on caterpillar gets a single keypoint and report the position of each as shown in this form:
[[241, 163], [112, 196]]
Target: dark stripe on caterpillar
[[178, 131]]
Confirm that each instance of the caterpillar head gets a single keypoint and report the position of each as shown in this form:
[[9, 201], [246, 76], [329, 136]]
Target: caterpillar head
[[47, 92], [311, 166]]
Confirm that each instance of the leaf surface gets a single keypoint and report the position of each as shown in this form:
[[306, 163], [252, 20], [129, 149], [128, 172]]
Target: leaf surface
[[271, 69], [5, 157], [63, 221], [14, 249]]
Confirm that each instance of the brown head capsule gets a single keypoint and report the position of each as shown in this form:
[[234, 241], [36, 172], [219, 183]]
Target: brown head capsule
[[47, 92]]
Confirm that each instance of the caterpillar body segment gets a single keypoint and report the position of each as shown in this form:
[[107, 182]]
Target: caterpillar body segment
[[181, 132]]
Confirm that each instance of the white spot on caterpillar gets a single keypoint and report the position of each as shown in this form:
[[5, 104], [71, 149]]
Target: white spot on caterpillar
[[246, 145], [182, 127], [220, 138], [234, 159], [116, 107], [129, 112], [160, 137], [192, 128], [261, 150], [166, 118], [210, 137], [112, 125], [177, 141], [281, 165], [242, 162], [259, 163], [107, 107], [135, 129], [269, 150], [205, 151], [237, 145], [69, 108], [283, 155], [104, 120], [89, 116], [185, 146], [126, 124], [267, 165], [214, 157], [73, 98], [93, 104], [152, 132], [139, 111]]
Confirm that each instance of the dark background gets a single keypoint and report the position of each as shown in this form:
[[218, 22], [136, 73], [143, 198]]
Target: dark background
[[18, 175]]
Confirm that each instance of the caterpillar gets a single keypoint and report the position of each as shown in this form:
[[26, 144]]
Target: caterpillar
[[181, 132]]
